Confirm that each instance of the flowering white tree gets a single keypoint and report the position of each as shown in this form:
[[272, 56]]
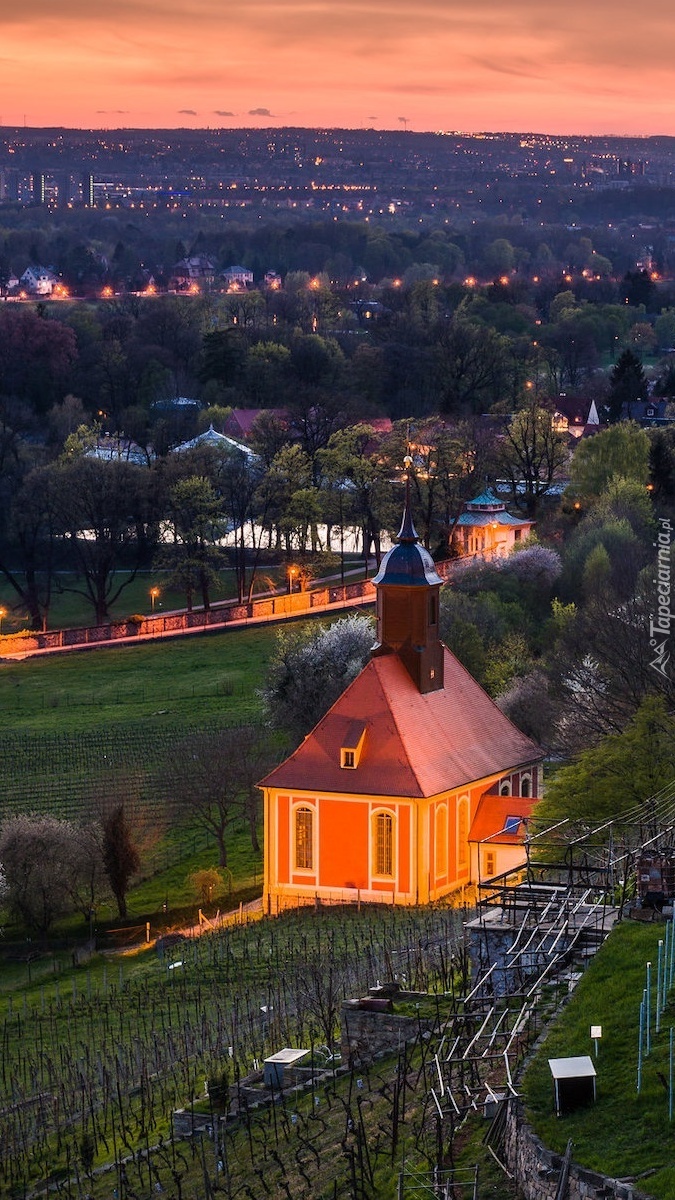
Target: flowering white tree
[[533, 564], [49, 867], [311, 667]]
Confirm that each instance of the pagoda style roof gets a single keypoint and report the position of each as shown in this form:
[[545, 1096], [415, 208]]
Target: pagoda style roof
[[416, 745], [492, 518], [486, 500]]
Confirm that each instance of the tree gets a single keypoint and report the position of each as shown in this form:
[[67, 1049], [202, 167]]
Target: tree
[[531, 456], [204, 779], [449, 466], [206, 883], [36, 853], [27, 557], [121, 859], [36, 354], [238, 478], [195, 515], [310, 668], [99, 507], [622, 771], [622, 450], [471, 362], [628, 384], [600, 668]]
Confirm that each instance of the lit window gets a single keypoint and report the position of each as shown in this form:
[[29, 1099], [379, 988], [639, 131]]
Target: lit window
[[384, 844], [304, 827]]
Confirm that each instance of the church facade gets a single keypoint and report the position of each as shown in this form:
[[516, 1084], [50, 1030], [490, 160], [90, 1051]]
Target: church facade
[[399, 794]]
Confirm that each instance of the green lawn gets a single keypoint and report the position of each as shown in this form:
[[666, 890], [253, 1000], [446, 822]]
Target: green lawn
[[624, 1133], [70, 609], [183, 679]]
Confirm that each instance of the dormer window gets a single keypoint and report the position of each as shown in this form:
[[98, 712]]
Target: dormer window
[[352, 745]]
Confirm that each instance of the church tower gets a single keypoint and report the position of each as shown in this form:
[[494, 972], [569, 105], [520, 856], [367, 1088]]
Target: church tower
[[408, 588]]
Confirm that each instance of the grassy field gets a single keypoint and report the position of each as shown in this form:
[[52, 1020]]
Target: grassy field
[[623, 1134], [77, 726]]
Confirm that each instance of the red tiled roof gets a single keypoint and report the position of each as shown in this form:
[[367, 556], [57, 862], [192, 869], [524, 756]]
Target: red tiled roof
[[415, 745], [242, 420], [492, 815]]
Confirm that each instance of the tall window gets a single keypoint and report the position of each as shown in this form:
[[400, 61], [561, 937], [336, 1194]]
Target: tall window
[[441, 840], [526, 786], [463, 832], [384, 844], [304, 850]]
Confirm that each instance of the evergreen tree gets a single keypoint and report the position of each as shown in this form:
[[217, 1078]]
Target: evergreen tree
[[121, 859], [627, 385]]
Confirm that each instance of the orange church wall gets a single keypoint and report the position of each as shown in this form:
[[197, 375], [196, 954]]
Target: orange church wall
[[343, 861], [283, 824], [404, 848]]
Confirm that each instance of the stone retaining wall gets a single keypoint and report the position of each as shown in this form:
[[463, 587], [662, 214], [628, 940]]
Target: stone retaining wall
[[537, 1169], [365, 1035]]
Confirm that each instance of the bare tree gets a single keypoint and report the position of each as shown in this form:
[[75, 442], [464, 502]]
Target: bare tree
[[203, 779]]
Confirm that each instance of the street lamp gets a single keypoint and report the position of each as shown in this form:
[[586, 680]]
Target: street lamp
[[154, 593], [292, 572], [3, 614]]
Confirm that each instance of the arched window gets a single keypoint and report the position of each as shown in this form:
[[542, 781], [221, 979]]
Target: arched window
[[304, 839], [526, 786], [505, 787], [384, 844], [441, 840], [463, 832]]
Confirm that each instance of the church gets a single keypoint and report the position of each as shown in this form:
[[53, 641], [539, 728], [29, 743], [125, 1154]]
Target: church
[[414, 784]]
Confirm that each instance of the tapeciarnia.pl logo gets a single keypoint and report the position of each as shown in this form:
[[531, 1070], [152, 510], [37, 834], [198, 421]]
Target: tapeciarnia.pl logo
[[659, 622]]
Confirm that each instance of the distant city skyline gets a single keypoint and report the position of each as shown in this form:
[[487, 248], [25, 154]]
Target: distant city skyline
[[561, 68]]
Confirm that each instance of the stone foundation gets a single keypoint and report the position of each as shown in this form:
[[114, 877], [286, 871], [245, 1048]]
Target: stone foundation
[[537, 1169]]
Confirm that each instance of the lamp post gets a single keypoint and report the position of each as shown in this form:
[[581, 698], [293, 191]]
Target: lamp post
[[292, 571], [3, 614], [154, 593]]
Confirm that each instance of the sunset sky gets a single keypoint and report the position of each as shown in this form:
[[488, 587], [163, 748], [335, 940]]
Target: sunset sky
[[586, 66]]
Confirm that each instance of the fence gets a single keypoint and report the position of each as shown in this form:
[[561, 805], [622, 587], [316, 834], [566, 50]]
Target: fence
[[271, 608]]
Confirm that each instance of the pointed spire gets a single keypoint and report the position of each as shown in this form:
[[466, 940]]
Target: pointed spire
[[407, 532]]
